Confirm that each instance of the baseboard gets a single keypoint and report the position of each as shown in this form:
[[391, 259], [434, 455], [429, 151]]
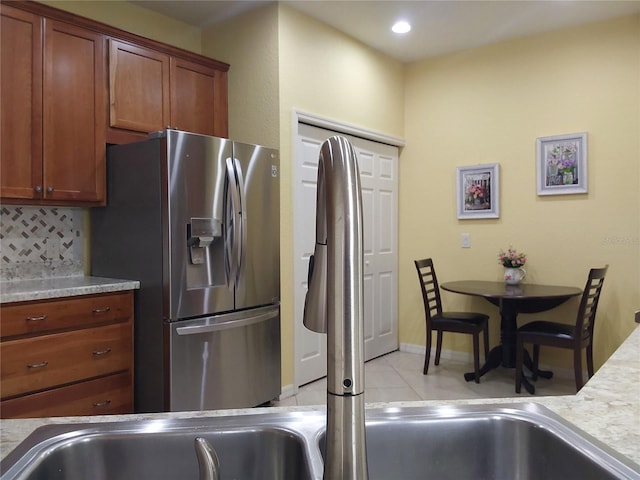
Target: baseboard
[[444, 353], [287, 391], [564, 373]]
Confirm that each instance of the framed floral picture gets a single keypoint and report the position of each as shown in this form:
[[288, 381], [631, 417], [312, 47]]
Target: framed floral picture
[[561, 163], [478, 191]]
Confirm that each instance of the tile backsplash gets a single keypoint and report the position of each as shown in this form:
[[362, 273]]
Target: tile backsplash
[[40, 242]]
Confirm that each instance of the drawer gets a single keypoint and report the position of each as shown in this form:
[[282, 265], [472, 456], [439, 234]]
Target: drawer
[[37, 363], [106, 395], [28, 318]]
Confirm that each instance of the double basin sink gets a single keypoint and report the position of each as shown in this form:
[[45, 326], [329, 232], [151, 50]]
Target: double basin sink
[[519, 441]]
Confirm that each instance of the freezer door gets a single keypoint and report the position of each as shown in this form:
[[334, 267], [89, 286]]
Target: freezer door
[[225, 361], [197, 180], [258, 179]]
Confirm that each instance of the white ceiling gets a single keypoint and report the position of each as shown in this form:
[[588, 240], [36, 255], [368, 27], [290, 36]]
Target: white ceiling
[[439, 27]]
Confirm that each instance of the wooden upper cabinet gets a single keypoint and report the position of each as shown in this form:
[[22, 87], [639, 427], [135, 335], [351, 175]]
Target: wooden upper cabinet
[[52, 103], [20, 103], [138, 88], [74, 122], [198, 98], [150, 90], [70, 85]]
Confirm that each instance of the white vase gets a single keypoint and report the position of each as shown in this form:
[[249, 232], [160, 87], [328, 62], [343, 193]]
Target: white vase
[[513, 276]]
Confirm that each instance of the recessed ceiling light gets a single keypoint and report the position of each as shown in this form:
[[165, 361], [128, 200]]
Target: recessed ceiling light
[[401, 27]]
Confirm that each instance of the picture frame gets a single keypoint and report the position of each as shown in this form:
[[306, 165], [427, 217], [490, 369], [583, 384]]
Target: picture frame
[[478, 191], [561, 164]]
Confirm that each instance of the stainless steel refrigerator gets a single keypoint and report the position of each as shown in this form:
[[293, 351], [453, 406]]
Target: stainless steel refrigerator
[[196, 220]]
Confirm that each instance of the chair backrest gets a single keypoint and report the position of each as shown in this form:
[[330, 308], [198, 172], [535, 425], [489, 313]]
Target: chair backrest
[[589, 302], [429, 286]]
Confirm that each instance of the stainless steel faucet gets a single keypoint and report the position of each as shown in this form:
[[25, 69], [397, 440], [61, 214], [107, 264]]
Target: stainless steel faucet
[[208, 462], [334, 305]]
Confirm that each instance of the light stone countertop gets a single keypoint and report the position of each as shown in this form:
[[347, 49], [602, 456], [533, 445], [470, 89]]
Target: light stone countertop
[[59, 287], [607, 407]]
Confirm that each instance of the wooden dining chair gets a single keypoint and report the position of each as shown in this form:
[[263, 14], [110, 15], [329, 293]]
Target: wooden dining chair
[[575, 336], [458, 322]]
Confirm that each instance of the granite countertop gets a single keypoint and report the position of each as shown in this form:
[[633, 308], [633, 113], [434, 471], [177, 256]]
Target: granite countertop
[[59, 287], [607, 407]]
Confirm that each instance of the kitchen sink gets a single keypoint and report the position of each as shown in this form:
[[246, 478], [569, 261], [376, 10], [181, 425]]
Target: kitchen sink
[[505, 443], [163, 450], [510, 441]]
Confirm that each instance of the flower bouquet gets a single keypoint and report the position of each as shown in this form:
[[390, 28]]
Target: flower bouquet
[[512, 261], [511, 258]]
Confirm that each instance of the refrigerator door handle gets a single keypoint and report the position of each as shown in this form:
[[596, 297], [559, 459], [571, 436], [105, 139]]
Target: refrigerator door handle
[[242, 236], [241, 322], [233, 251]]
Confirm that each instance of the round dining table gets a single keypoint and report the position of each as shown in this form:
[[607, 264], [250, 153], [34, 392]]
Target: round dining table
[[512, 300]]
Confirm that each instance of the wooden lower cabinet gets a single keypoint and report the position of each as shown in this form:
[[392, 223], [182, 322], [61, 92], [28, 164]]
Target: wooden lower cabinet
[[102, 396], [79, 361]]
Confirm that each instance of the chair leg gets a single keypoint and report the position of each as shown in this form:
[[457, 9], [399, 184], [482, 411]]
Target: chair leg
[[577, 367], [536, 358], [519, 358], [438, 347], [486, 342], [590, 360], [427, 354], [476, 357]]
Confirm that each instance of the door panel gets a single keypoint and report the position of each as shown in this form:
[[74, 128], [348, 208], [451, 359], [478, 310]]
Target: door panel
[[20, 104], [259, 279], [74, 123], [196, 182], [196, 103], [310, 347], [138, 87], [379, 184], [225, 361], [378, 175]]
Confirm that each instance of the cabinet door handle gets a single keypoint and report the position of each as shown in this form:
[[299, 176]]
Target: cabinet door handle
[[101, 310], [49, 189], [38, 189], [38, 365], [99, 353], [102, 404], [36, 319]]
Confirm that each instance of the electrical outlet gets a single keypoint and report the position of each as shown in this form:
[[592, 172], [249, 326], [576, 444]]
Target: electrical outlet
[[465, 240]]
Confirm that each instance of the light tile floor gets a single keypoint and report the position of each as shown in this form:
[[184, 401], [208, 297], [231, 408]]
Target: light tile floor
[[398, 376]]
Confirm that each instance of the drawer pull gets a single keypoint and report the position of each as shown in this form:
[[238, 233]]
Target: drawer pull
[[38, 365], [101, 310], [98, 353], [36, 319], [102, 404]]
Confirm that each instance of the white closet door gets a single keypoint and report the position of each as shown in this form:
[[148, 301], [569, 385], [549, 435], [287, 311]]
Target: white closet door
[[378, 165]]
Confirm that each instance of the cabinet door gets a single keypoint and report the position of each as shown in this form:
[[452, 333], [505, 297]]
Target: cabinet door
[[74, 119], [138, 88], [38, 363], [20, 104], [54, 315], [103, 396], [198, 98]]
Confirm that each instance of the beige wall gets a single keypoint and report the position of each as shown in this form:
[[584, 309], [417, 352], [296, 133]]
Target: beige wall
[[479, 106], [327, 73], [249, 43], [312, 68], [489, 105], [134, 19]]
